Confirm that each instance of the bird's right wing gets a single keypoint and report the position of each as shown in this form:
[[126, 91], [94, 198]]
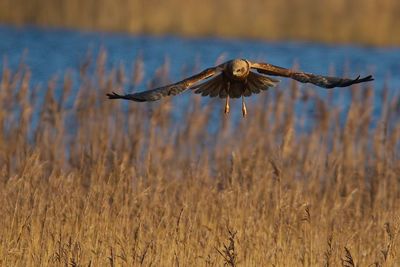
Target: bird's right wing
[[168, 90], [304, 77]]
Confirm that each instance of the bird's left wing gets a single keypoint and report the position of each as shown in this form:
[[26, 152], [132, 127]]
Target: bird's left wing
[[168, 90], [319, 80]]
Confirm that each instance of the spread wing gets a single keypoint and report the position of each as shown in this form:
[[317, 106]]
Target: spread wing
[[319, 80], [168, 90]]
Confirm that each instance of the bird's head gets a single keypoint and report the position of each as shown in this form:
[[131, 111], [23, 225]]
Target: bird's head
[[239, 67]]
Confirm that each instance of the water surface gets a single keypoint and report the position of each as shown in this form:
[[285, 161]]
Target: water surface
[[50, 52]]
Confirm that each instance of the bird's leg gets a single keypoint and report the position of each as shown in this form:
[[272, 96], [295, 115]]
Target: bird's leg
[[227, 99], [227, 105], [244, 110]]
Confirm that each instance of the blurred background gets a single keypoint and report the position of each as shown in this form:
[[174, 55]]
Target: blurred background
[[309, 178], [338, 37], [339, 21]]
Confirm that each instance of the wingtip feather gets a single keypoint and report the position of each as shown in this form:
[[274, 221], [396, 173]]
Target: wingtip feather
[[366, 79], [113, 95]]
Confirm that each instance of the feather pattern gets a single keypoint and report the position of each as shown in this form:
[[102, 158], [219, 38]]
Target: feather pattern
[[234, 78], [168, 90], [210, 87], [257, 83], [236, 89], [304, 77]]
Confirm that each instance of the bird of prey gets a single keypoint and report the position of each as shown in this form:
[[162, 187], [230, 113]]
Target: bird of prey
[[237, 78]]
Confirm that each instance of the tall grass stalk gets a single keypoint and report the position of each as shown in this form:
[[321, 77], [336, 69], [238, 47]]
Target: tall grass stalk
[[105, 183]]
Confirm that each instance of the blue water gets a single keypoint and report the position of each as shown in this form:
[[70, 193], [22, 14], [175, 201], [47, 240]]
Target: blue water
[[50, 52]]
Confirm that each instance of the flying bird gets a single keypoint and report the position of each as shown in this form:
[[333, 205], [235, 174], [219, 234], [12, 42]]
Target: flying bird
[[237, 78]]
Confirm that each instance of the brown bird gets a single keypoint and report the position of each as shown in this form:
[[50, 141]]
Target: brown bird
[[236, 78]]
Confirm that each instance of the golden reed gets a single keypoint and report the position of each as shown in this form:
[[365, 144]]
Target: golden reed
[[103, 183]]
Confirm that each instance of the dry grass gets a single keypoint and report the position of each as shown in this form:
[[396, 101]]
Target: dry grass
[[363, 21], [101, 183]]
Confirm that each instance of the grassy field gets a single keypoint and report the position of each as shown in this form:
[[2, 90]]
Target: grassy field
[[333, 21], [94, 182]]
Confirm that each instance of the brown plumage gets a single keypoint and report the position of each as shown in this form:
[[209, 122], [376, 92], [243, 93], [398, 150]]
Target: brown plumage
[[234, 79]]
